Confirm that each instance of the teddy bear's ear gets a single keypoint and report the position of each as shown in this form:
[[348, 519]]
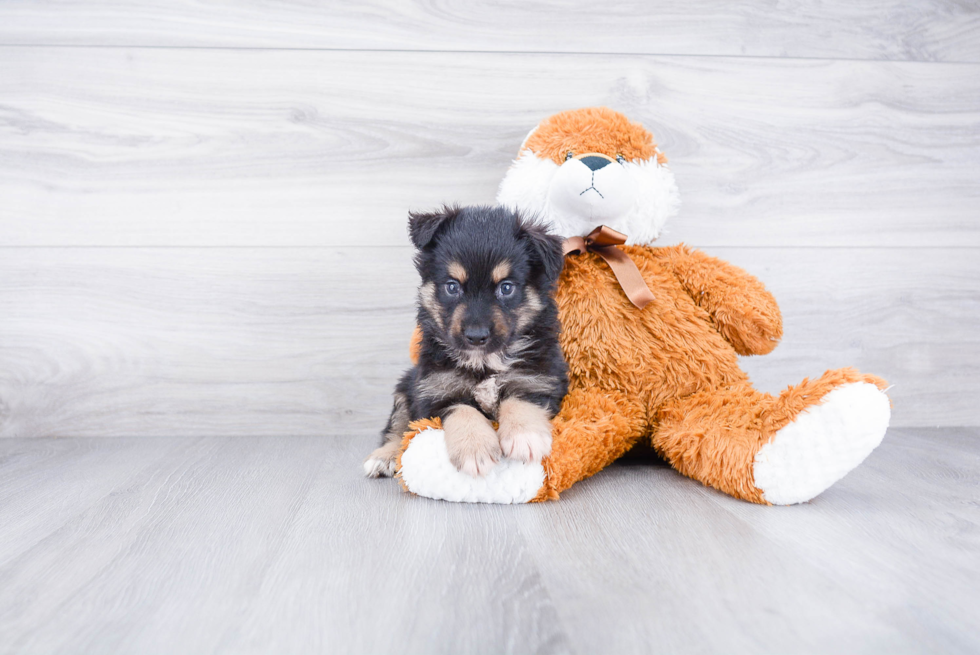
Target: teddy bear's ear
[[423, 226], [546, 248]]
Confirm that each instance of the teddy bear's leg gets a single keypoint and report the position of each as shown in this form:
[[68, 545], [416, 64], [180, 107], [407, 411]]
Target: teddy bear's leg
[[777, 450], [593, 429], [424, 468]]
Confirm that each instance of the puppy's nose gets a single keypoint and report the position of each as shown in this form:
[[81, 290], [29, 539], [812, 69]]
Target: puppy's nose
[[595, 163], [476, 336]]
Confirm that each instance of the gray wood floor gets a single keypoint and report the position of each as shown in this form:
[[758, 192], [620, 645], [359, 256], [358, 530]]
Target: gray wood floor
[[277, 545]]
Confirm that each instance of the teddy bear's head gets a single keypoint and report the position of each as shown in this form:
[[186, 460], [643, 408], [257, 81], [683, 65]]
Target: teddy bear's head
[[584, 168]]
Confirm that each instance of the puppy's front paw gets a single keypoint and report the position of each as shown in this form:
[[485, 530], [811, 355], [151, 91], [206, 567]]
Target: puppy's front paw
[[471, 441], [383, 462], [525, 446], [525, 430]]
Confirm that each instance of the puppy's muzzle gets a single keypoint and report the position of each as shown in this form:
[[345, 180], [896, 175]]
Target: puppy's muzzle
[[476, 335]]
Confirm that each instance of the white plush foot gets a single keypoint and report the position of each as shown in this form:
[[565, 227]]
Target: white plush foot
[[427, 471], [383, 462], [823, 444]]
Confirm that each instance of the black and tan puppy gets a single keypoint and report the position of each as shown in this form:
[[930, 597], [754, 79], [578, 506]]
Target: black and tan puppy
[[489, 339]]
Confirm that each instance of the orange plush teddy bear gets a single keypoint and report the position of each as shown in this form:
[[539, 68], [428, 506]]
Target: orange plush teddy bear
[[661, 370]]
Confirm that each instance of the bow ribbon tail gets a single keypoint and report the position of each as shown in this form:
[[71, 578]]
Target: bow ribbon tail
[[603, 241], [628, 275]]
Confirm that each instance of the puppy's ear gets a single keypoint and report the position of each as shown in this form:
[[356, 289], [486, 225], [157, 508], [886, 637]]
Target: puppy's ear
[[423, 226], [546, 248]]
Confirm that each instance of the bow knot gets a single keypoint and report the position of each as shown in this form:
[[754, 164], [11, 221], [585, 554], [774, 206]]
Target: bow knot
[[603, 241]]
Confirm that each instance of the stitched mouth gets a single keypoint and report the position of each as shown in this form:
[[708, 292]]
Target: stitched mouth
[[592, 187]]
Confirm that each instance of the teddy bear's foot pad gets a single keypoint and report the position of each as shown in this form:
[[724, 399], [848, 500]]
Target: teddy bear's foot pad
[[427, 471], [823, 444]]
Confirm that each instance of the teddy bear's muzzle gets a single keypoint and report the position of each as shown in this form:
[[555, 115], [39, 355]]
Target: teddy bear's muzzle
[[593, 189]]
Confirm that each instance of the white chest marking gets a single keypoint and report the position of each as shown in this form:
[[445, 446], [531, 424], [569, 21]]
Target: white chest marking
[[487, 395]]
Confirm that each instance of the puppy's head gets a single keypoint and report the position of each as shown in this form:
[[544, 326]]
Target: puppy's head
[[487, 274]]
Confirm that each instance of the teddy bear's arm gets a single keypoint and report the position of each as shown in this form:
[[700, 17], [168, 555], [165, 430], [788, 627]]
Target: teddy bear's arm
[[745, 313]]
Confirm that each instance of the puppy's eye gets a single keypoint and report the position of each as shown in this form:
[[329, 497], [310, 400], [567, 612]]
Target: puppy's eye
[[569, 155], [452, 288], [506, 289]]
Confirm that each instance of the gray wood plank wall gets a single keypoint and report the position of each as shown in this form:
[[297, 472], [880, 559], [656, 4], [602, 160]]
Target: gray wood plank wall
[[202, 207], [926, 30]]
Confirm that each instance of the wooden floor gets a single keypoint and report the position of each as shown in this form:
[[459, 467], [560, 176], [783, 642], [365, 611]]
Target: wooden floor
[[277, 545]]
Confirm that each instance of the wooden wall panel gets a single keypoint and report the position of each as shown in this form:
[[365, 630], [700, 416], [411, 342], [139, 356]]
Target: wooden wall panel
[[200, 341], [152, 147], [266, 341], [940, 30], [202, 206]]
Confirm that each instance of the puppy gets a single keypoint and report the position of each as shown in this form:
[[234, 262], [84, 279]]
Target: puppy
[[489, 339]]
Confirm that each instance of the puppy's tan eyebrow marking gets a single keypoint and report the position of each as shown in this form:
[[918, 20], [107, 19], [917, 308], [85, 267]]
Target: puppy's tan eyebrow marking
[[457, 271], [500, 272]]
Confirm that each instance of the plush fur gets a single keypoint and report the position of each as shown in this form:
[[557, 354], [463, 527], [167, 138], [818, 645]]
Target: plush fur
[[488, 349], [668, 375], [556, 177]]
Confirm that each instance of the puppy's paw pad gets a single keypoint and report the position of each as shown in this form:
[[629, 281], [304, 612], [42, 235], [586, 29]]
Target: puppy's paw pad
[[471, 441], [525, 445], [477, 464], [525, 430], [381, 464]]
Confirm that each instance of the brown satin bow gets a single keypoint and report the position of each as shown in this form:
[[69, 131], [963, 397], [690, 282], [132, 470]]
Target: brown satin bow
[[603, 241]]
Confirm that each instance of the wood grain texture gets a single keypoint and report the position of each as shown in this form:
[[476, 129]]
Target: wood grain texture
[[908, 315], [277, 544], [203, 255], [201, 341], [309, 341], [152, 147], [938, 30]]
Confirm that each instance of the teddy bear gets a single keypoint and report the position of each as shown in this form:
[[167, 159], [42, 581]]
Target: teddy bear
[[652, 336]]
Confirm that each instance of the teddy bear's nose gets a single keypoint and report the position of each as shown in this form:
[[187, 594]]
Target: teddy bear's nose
[[595, 163]]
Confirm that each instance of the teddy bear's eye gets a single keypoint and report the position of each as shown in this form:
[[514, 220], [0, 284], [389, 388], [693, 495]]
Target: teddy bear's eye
[[569, 155]]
